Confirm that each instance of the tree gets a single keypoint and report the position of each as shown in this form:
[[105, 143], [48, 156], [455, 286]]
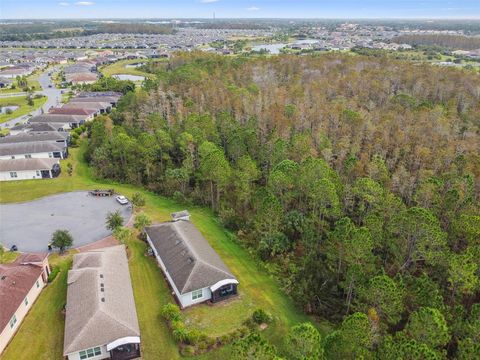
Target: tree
[[385, 296], [122, 234], [114, 220], [428, 326], [138, 199], [353, 340], [141, 221], [462, 273], [253, 347], [62, 240], [304, 343], [403, 348]]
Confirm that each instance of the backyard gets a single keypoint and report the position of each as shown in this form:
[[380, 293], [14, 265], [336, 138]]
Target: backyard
[[257, 289]]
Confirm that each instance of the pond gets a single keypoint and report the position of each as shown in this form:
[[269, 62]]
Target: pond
[[274, 49], [129, 77], [135, 65], [8, 109]]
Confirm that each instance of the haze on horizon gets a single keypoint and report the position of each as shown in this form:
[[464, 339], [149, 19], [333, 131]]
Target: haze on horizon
[[369, 9]]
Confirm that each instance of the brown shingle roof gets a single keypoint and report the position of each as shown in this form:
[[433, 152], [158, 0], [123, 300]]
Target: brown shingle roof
[[16, 280]]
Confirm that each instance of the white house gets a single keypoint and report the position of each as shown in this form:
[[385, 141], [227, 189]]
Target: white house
[[101, 318], [27, 169], [33, 150], [21, 283], [193, 269]]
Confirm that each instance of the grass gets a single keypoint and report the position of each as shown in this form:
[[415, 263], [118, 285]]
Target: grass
[[22, 103], [8, 257], [118, 68], [256, 289]]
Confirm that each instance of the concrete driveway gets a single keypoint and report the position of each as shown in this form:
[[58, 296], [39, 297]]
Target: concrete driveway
[[30, 225]]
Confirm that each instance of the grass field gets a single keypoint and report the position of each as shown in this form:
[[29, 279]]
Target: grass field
[[23, 109], [118, 68], [257, 289]]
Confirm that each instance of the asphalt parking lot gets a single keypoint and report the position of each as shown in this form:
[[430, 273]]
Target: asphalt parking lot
[[30, 225]]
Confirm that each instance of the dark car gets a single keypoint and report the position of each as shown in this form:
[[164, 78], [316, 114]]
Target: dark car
[[14, 248]]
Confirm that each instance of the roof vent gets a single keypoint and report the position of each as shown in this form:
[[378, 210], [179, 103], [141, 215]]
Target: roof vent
[[190, 260], [184, 252], [101, 276], [103, 299], [4, 277]]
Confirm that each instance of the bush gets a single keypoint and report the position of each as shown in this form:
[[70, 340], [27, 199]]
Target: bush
[[188, 350], [171, 312], [260, 316], [53, 273], [138, 199]]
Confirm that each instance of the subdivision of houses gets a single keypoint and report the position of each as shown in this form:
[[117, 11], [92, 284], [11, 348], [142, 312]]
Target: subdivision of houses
[[21, 283], [193, 269]]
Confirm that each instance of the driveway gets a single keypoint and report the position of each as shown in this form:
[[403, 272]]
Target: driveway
[[30, 225]]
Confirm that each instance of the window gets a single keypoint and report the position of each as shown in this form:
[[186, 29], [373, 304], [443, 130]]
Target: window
[[28, 156], [13, 174], [13, 321], [13, 157], [50, 155], [38, 284], [197, 294], [38, 173], [89, 353], [26, 301]]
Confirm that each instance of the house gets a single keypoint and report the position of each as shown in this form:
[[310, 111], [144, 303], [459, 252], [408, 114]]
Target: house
[[52, 136], [37, 127], [66, 121], [102, 107], [89, 113], [26, 169], [5, 82], [34, 150], [193, 269], [21, 283], [101, 319]]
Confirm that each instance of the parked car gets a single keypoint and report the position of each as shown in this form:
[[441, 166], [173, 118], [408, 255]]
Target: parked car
[[122, 199], [14, 248]]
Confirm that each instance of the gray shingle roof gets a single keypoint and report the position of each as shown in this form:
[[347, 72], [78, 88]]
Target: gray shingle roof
[[30, 148], [35, 136], [57, 118], [89, 320], [190, 260], [35, 127], [27, 164]]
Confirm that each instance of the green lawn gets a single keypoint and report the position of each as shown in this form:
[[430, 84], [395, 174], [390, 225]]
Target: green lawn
[[118, 68], [23, 109], [8, 257], [256, 289]]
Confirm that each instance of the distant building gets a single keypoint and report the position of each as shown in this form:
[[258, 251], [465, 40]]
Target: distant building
[[21, 283], [101, 318]]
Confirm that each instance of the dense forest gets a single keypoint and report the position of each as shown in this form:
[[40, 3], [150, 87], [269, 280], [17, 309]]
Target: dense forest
[[355, 179], [452, 42]]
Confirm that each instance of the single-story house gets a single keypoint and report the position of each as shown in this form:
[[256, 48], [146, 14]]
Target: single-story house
[[26, 169], [52, 136], [5, 82], [89, 113], [37, 127], [88, 97], [72, 121], [101, 318], [20, 284], [81, 78], [34, 150], [193, 269], [102, 107]]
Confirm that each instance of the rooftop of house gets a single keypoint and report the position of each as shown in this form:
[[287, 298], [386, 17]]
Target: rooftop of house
[[190, 260], [35, 136], [27, 164], [100, 304], [29, 148], [57, 118], [72, 111], [16, 280]]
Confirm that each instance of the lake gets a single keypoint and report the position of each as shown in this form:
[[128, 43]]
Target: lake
[[129, 77], [274, 49]]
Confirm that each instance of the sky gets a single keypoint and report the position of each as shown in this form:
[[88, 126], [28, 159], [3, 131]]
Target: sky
[[49, 9]]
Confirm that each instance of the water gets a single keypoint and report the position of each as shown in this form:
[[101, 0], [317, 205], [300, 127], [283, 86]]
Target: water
[[129, 77], [3, 109], [274, 49], [134, 65]]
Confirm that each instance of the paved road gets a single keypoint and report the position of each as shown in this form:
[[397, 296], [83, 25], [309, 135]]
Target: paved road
[[30, 225], [53, 94]]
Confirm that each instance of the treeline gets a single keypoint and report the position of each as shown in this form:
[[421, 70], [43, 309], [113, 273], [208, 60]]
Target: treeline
[[355, 179], [452, 42], [130, 28]]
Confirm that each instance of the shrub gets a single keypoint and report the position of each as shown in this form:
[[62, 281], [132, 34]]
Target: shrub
[[202, 346], [194, 337], [188, 350], [138, 199], [53, 273], [260, 316], [171, 312]]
